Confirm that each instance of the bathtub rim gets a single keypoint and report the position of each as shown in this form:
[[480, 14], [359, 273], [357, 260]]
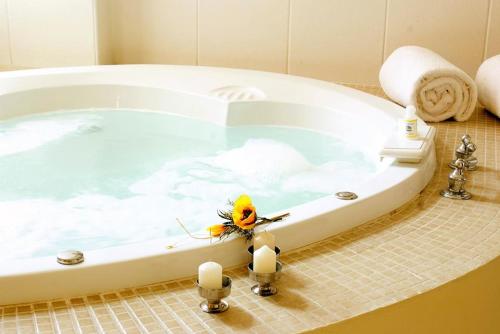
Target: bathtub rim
[[401, 172]]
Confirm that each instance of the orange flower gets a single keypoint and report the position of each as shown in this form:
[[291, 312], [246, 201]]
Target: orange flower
[[216, 230], [244, 215]]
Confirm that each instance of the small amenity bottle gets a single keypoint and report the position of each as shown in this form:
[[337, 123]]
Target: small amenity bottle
[[410, 123]]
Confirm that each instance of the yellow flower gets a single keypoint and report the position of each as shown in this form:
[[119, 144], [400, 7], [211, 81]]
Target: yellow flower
[[244, 214], [216, 230]]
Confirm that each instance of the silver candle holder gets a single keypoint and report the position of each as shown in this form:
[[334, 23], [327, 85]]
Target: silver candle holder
[[214, 302], [264, 281], [277, 250]]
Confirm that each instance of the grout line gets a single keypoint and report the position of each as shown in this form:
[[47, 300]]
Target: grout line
[[93, 317], [384, 41], [34, 316], [136, 319], [95, 36], [172, 312], [111, 20], [202, 322], [197, 32], [117, 322], [158, 318], [17, 319], [74, 318], [488, 25], [53, 319], [289, 36]]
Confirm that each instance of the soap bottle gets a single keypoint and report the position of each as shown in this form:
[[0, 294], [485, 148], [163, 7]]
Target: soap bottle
[[410, 123]]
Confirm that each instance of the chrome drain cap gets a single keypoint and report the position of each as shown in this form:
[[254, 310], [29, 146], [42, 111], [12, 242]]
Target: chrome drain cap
[[346, 195], [70, 257]]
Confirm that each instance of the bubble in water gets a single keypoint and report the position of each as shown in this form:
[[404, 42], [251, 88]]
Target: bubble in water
[[160, 181], [262, 157], [30, 135]]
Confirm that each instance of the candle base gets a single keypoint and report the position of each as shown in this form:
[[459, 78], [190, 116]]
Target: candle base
[[214, 302], [264, 288], [217, 306]]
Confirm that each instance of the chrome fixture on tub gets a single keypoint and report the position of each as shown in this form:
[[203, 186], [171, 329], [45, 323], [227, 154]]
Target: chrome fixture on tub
[[456, 182], [264, 281], [70, 257], [464, 151], [214, 302], [346, 195]]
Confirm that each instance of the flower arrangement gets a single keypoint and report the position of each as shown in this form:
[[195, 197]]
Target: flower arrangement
[[241, 219]]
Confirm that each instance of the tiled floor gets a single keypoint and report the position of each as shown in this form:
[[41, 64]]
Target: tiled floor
[[424, 244]]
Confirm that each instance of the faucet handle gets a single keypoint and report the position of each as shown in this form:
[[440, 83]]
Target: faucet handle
[[464, 151], [456, 182], [468, 146]]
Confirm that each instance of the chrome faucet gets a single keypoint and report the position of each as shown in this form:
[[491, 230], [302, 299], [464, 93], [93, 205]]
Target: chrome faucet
[[456, 182], [464, 151]]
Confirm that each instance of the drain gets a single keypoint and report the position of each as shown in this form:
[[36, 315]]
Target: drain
[[69, 257], [346, 195]]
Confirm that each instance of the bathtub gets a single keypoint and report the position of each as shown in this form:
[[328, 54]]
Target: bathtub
[[227, 97]]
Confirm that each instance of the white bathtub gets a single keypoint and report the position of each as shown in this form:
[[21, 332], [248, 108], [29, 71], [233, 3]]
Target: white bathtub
[[225, 97]]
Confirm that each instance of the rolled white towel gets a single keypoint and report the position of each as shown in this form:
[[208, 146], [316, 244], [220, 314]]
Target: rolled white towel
[[413, 75], [488, 84]]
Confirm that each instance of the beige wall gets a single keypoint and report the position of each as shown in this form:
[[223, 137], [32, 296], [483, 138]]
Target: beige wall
[[336, 40], [40, 33]]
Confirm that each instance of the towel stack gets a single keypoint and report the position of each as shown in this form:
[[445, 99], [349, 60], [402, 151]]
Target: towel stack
[[413, 75], [488, 83]]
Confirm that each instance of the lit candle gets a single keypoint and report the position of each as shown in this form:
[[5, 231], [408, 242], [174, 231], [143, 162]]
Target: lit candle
[[210, 275], [264, 260], [264, 239]]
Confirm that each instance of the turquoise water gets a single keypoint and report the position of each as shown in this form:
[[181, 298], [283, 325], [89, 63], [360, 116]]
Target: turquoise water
[[93, 179]]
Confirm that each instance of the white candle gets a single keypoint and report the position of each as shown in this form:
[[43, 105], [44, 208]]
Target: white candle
[[264, 239], [264, 260], [210, 275]]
